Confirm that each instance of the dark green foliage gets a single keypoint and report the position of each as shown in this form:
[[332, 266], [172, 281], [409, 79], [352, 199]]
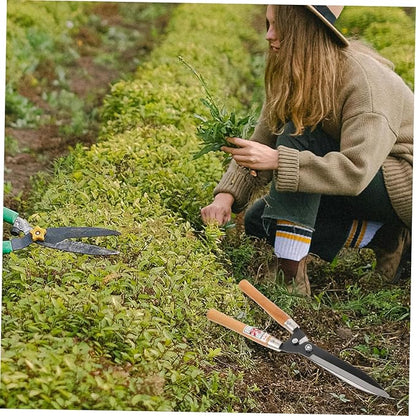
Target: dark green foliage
[[388, 29]]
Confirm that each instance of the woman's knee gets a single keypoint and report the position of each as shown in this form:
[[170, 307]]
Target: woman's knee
[[316, 141]]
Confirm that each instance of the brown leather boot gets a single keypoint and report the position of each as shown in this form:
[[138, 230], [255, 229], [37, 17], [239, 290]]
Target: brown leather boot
[[296, 276], [391, 245]]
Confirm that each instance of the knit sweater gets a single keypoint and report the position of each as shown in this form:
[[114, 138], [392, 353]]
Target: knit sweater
[[374, 126]]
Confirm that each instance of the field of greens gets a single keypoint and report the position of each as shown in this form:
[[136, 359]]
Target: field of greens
[[130, 332]]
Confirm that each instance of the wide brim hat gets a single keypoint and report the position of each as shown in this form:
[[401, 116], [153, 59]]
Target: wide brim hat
[[328, 15]]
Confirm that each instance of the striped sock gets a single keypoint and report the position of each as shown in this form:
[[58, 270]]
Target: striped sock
[[361, 233], [292, 240]]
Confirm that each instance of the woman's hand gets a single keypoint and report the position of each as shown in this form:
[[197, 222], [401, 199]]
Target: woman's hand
[[219, 210], [252, 155]]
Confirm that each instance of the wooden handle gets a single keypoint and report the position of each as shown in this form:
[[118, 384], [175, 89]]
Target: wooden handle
[[273, 310], [225, 320], [254, 334]]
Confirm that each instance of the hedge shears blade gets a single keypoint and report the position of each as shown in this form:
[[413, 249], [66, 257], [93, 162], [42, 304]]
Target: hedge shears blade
[[298, 343], [56, 238]]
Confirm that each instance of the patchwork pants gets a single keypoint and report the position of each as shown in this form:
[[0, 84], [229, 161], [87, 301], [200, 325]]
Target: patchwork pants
[[331, 217]]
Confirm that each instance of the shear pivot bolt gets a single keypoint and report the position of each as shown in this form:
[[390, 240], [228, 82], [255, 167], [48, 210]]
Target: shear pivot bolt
[[38, 233], [308, 348], [295, 341]]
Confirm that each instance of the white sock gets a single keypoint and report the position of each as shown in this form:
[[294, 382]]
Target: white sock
[[361, 233], [292, 240]]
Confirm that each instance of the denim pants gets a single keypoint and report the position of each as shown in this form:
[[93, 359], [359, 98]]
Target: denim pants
[[330, 216]]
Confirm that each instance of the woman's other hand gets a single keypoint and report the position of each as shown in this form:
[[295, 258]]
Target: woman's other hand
[[219, 210], [252, 155]]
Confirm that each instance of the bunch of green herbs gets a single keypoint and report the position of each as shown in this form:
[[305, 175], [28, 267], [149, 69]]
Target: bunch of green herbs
[[214, 130]]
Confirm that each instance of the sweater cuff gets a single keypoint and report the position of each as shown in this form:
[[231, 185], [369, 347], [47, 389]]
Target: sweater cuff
[[286, 177], [396, 174], [238, 182]]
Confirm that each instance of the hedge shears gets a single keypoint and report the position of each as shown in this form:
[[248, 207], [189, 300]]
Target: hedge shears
[[56, 238], [298, 343]]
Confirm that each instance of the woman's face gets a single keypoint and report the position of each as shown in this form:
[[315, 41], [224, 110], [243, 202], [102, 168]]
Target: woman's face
[[271, 35]]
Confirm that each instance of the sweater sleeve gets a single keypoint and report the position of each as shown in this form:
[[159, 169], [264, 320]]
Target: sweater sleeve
[[237, 181], [368, 121], [366, 141]]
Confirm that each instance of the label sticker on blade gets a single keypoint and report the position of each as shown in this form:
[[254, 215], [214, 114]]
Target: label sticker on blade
[[256, 333]]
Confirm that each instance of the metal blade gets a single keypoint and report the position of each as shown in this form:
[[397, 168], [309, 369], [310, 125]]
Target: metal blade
[[348, 373], [55, 235], [19, 243], [77, 247], [336, 366]]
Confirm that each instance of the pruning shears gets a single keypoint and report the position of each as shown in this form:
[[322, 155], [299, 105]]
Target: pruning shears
[[56, 238], [298, 343]]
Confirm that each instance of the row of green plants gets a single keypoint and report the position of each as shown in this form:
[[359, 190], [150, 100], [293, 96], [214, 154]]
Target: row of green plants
[[357, 308], [39, 38], [390, 30], [44, 42], [130, 333]]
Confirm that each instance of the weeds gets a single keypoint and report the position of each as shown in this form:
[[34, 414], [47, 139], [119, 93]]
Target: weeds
[[374, 307]]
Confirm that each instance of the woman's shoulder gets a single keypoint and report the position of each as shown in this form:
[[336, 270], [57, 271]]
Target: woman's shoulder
[[369, 85], [366, 55], [371, 77], [365, 67]]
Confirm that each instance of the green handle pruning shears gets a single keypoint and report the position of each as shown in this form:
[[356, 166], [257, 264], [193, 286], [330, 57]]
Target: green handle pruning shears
[[56, 238]]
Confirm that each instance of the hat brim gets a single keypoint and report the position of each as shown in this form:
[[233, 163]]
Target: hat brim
[[340, 37]]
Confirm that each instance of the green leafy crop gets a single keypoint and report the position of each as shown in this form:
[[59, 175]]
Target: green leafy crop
[[130, 332]]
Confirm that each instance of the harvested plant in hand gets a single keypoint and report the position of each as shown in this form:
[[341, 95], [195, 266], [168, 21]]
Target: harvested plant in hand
[[214, 130]]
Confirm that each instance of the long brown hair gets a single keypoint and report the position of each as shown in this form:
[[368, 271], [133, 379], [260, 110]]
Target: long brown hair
[[301, 79]]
